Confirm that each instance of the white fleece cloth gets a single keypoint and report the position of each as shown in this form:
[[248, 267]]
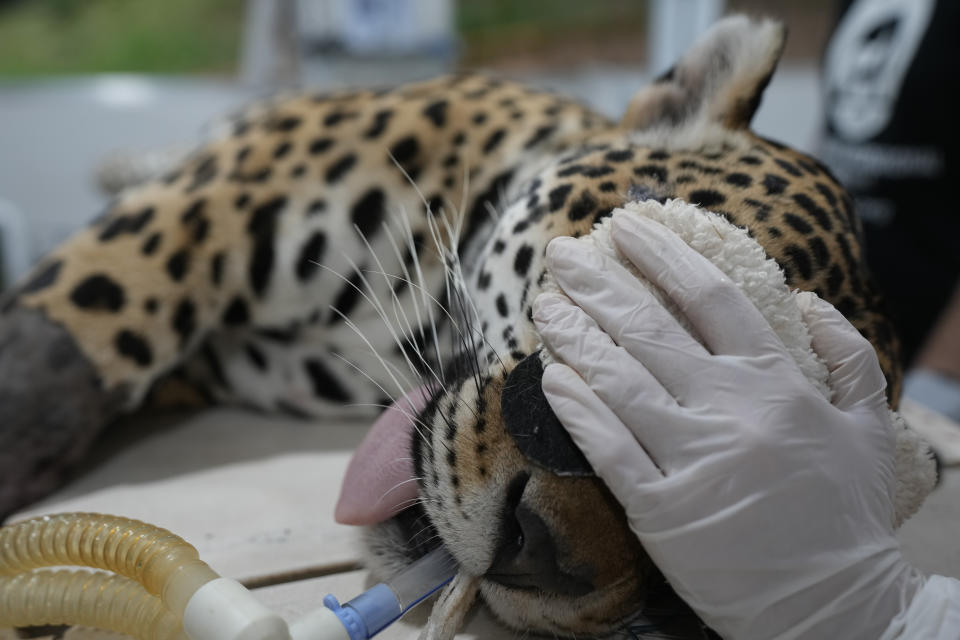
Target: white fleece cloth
[[745, 262]]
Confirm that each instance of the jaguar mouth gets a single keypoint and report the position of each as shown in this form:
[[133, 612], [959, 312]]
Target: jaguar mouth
[[419, 535]]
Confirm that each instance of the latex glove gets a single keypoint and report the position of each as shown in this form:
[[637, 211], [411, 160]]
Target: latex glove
[[766, 507]]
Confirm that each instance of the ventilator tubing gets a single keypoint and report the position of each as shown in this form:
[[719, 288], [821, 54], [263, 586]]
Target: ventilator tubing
[[158, 589], [92, 599], [163, 590]]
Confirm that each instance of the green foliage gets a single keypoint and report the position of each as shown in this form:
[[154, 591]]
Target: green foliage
[[181, 36], [481, 15], [551, 32], [75, 36]]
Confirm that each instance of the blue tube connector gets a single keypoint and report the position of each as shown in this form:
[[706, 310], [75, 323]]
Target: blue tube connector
[[381, 605], [368, 613]]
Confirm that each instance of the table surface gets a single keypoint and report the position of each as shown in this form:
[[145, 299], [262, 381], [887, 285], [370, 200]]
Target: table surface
[[255, 494]]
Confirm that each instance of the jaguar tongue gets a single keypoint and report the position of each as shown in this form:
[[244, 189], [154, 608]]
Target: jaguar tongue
[[379, 481]]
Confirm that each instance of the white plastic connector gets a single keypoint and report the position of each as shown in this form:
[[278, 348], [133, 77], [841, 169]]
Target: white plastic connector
[[223, 609], [320, 624]]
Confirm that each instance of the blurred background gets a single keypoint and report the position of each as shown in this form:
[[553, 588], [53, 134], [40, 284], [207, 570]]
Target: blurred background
[[57, 37], [93, 88], [86, 84]]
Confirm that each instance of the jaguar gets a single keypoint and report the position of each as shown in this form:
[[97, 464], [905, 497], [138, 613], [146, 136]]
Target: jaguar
[[330, 252]]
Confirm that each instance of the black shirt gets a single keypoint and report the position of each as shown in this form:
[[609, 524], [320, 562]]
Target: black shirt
[[890, 73]]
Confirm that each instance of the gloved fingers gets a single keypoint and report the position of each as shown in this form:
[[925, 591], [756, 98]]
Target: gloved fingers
[[855, 373], [625, 386], [628, 312], [723, 316], [610, 447], [617, 377]]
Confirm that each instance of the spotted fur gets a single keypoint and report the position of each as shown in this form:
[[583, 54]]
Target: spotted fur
[[263, 269]]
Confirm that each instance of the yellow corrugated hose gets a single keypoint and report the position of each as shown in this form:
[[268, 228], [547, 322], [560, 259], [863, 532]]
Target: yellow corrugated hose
[[88, 598], [167, 567]]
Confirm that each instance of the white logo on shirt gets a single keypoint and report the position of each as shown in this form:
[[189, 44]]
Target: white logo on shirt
[[867, 60]]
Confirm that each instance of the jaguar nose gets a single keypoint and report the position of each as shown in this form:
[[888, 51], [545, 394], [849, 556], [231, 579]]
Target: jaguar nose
[[526, 555]]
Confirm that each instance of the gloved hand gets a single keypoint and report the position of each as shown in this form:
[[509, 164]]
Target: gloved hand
[[767, 507]]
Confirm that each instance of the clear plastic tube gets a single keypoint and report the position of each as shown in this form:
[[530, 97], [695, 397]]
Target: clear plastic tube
[[166, 565], [422, 578], [86, 598], [379, 606]]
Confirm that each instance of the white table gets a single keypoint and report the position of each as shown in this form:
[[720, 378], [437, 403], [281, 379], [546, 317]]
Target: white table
[[255, 494]]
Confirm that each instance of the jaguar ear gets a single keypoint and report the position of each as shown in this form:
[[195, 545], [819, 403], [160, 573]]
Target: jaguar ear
[[719, 81]]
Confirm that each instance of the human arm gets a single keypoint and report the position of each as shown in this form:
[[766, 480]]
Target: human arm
[[767, 507]]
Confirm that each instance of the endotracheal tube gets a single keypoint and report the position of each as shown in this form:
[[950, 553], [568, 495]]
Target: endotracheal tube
[[151, 585]]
